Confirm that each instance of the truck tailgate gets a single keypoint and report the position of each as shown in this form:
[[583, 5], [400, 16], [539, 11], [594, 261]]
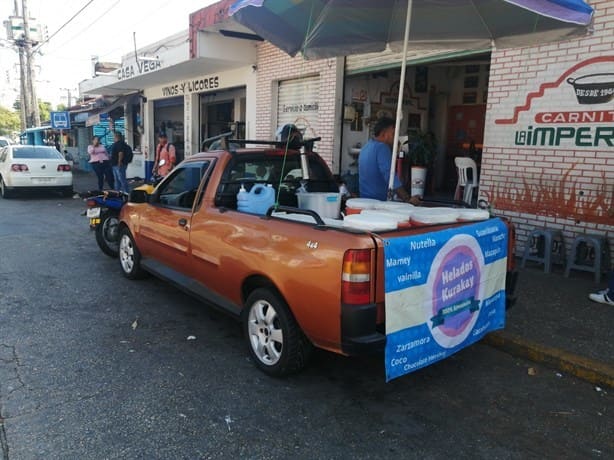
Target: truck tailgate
[[440, 289]]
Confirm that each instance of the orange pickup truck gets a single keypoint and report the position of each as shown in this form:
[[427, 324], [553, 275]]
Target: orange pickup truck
[[300, 283]]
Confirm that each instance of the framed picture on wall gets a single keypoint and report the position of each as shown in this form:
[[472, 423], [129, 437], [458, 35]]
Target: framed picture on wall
[[470, 97], [471, 81], [421, 82], [414, 120]]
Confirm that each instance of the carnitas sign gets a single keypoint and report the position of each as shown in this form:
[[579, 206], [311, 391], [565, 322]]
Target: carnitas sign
[[584, 117]]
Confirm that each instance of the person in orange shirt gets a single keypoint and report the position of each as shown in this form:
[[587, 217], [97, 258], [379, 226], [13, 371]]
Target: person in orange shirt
[[165, 158]]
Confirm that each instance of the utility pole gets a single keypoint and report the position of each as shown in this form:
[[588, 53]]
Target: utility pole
[[35, 111], [68, 96], [24, 108]]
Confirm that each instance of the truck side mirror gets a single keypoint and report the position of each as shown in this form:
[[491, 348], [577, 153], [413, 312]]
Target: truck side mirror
[[139, 196]]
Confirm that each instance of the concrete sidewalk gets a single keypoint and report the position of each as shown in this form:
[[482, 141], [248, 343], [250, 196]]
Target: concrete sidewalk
[[553, 322]]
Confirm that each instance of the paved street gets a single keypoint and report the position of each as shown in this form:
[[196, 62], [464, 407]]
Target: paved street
[[93, 366]]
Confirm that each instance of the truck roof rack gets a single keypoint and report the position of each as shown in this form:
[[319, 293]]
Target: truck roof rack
[[226, 141]]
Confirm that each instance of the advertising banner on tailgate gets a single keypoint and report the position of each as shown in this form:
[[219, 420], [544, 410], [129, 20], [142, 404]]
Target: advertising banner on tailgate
[[444, 291]]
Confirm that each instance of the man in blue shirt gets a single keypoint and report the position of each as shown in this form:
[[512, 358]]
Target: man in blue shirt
[[374, 164]]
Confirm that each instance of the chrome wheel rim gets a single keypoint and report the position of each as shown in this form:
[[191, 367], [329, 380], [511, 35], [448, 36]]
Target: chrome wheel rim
[[265, 334], [126, 254]]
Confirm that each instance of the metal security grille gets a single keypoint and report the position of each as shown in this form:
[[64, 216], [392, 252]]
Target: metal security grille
[[298, 103]]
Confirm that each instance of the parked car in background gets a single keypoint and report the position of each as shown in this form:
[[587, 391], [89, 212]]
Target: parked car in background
[[33, 167], [4, 141]]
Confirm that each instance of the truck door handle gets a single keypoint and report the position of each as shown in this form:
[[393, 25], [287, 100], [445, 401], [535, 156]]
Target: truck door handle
[[182, 222]]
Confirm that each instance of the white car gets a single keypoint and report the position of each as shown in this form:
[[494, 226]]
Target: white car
[[4, 141], [33, 167]]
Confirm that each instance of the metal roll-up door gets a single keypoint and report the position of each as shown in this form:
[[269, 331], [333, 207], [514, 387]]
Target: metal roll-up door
[[373, 62], [298, 103]]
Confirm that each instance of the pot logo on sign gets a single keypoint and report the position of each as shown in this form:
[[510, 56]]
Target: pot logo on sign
[[596, 88]]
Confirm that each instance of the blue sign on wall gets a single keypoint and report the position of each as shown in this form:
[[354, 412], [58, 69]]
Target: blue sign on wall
[[444, 291], [60, 120]]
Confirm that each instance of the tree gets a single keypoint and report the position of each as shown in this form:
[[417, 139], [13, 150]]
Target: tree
[[45, 109], [61, 108], [9, 121]]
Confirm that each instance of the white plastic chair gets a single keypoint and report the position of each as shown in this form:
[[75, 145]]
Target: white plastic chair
[[464, 164]]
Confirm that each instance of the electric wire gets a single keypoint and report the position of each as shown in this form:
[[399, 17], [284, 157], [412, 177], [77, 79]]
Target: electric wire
[[86, 27], [63, 25], [154, 10]]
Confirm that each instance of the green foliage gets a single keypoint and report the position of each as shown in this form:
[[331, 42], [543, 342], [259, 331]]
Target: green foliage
[[61, 108], [422, 148], [45, 111], [43, 107], [9, 121]]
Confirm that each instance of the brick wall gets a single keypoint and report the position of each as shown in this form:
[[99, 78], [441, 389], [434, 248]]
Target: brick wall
[[558, 173], [273, 66]]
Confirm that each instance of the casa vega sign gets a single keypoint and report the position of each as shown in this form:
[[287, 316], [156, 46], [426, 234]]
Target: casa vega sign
[[138, 68]]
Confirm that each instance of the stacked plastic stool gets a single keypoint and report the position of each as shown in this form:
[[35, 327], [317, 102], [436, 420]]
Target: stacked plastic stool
[[545, 246], [590, 253]]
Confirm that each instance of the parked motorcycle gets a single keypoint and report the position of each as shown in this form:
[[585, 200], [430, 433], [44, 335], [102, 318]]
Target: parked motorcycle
[[103, 209], [103, 213]]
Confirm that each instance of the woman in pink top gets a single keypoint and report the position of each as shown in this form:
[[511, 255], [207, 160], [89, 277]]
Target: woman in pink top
[[99, 159]]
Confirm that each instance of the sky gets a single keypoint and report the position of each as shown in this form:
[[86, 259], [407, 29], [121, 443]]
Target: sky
[[104, 29]]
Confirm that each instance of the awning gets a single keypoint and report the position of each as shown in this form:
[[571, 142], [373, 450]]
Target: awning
[[94, 116]]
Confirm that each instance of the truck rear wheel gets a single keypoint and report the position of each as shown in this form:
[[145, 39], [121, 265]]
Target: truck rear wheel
[[275, 340]]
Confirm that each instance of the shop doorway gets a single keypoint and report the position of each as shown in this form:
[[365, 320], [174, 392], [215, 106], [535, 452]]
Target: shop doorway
[[465, 138], [219, 118], [222, 112], [168, 118], [444, 98]]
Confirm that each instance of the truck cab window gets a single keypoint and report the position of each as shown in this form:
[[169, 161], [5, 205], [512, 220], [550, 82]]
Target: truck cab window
[[179, 191]]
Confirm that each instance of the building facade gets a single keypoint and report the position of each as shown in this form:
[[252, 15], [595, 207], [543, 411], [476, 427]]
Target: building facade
[[548, 157]]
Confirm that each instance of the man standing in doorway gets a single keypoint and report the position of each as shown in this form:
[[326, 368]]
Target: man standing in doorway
[[374, 165], [165, 158], [119, 161]]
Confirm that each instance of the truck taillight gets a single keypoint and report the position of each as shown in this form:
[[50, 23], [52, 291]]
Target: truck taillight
[[356, 277]]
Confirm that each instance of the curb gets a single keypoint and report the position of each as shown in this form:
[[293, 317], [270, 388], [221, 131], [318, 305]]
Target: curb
[[592, 371]]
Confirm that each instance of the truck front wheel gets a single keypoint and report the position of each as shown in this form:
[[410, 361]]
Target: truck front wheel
[[129, 256], [275, 340]]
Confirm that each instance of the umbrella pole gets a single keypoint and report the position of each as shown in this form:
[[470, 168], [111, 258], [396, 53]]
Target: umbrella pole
[[395, 145]]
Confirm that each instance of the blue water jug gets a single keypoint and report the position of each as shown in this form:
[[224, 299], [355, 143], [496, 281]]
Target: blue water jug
[[257, 201]]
